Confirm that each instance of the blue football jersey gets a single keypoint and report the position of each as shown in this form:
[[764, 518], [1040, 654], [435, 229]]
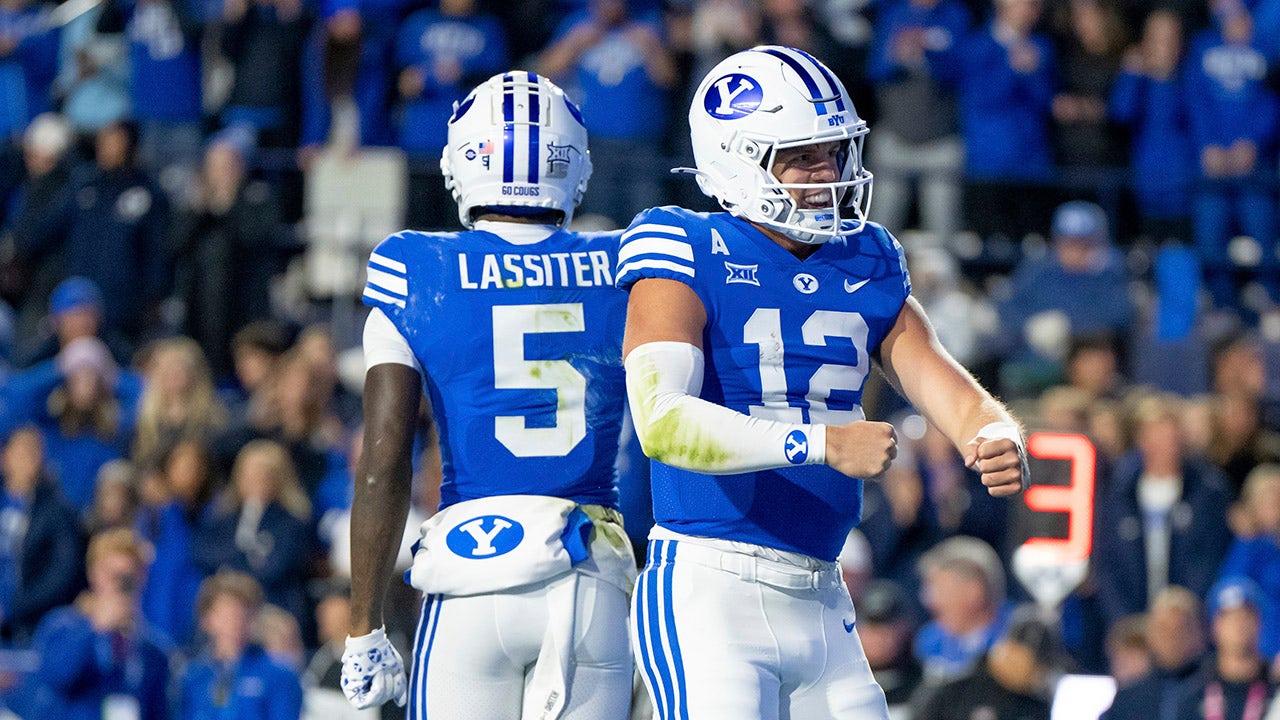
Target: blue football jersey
[[786, 340], [521, 346]]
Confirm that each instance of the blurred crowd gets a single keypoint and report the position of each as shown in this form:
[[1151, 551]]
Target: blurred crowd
[[1087, 191]]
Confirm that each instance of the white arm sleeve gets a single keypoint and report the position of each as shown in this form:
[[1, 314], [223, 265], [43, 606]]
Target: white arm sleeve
[[680, 429], [383, 343]]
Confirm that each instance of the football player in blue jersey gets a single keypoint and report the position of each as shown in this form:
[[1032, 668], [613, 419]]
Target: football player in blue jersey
[[749, 338], [514, 327]]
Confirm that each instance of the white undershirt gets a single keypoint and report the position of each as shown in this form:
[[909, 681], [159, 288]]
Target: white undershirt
[[383, 343]]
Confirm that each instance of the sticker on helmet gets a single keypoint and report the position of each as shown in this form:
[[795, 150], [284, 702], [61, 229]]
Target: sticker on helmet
[[732, 97], [559, 158]]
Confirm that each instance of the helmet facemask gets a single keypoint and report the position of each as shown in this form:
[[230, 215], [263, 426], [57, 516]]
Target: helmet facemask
[[848, 197]]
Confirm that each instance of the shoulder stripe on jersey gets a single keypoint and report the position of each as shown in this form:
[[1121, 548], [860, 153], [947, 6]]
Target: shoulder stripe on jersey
[[392, 284], [374, 294], [655, 265], [814, 93], [654, 228], [388, 264], [655, 246], [831, 80]]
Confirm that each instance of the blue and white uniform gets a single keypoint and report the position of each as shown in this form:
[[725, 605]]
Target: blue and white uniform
[[517, 330], [741, 611]]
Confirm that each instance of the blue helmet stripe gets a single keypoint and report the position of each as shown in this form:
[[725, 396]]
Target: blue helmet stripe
[[831, 80], [508, 131], [809, 82], [535, 112]]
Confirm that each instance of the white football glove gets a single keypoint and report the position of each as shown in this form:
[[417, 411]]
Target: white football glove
[[372, 671]]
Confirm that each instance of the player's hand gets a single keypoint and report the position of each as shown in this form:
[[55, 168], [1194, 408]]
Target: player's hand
[[372, 671], [1001, 462], [861, 449]]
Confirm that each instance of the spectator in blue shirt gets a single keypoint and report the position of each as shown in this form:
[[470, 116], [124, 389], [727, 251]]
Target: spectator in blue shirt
[[1161, 520], [165, 83], [41, 549], [115, 211], [28, 65], [47, 159], [964, 592], [620, 70], [233, 677], [1150, 97], [92, 86], [1006, 75], [1079, 287], [182, 498], [262, 526], [441, 54], [1234, 123], [349, 61], [1255, 550], [98, 656], [83, 422], [1236, 684], [917, 136], [1176, 636], [1267, 17]]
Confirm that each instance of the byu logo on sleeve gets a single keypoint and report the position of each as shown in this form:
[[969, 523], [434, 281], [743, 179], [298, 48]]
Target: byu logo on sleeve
[[485, 537], [796, 447], [736, 96]]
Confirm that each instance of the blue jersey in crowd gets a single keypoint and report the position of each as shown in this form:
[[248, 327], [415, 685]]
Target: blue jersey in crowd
[[1004, 113], [477, 44], [1227, 90], [786, 340], [255, 686], [84, 672], [619, 100], [27, 71], [522, 350], [165, 60], [944, 25], [1164, 159]]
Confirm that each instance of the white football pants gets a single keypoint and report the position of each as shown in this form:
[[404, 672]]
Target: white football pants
[[732, 630], [475, 655]]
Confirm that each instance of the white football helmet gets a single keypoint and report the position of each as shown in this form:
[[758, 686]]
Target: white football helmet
[[517, 145], [757, 102]]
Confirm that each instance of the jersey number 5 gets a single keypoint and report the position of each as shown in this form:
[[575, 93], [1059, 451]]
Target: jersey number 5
[[511, 371], [764, 329]]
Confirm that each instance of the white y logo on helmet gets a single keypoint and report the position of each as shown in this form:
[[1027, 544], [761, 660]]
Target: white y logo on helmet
[[736, 96]]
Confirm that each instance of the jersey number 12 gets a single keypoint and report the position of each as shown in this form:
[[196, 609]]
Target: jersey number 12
[[764, 329]]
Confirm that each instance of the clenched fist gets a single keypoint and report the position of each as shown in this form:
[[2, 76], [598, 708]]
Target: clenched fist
[[1002, 462], [861, 449]]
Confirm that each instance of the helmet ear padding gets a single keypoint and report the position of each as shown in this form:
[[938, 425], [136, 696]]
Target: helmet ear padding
[[768, 98]]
